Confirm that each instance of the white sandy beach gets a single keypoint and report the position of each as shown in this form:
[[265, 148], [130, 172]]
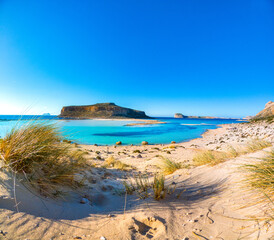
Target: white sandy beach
[[209, 202]]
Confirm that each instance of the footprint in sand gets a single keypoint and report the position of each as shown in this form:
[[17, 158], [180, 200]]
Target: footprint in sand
[[149, 227]]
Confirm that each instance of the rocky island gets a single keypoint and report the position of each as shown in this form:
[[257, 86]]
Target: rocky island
[[180, 115], [101, 110]]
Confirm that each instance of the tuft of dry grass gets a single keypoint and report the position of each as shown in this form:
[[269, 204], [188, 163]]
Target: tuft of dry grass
[[257, 144], [141, 185], [168, 166], [209, 157], [233, 152], [112, 162], [260, 176], [215, 157], [158, 187], [37, 151], [146, 188]]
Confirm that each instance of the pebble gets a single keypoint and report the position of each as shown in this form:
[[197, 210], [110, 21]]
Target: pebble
[[102, 238], [84, 201]]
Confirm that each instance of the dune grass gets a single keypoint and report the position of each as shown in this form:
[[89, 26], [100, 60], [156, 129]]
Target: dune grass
[[144, 187], [140, 185], [215, 157], [158, 187], [112, 162], [37, 151], [168, 166], [256, 145], [209, 157], [233, 152], [260, 176]]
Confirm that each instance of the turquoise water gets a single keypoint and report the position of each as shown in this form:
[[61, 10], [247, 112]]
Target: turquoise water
[[107, 132]]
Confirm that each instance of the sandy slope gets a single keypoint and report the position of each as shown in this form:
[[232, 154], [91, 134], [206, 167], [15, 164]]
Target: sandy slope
[[210, 205]]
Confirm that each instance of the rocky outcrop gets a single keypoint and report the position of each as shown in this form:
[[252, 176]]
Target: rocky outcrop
[[101, 110], [267, 112], [178, 115]]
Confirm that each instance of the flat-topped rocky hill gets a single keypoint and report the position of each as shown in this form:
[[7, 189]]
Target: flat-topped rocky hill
[[101, 110]]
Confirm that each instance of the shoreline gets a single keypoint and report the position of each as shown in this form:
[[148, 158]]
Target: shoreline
[[207, 194], [207, 131]]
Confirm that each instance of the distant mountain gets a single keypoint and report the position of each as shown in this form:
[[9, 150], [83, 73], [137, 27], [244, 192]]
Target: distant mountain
[[46, 114], [101, 110], [267, 112]]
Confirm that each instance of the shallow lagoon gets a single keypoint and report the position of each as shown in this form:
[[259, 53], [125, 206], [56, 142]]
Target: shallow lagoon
[[107, 132]]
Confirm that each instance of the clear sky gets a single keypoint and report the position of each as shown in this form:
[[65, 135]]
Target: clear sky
[[197, 57]]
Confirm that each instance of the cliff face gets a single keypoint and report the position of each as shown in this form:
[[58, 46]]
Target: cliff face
[[101, 110], [268, 111]]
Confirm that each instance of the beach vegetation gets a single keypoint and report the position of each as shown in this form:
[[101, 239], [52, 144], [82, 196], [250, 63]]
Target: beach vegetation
[[260, 176], [112, 162], [140, 184], [215, 157], [36, 151], [145, 187], [233, 152], [168, 166], [159, 189], [257, 144], [209, 157]]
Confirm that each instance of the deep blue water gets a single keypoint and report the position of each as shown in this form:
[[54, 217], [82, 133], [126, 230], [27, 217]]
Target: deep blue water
[[107, 132]]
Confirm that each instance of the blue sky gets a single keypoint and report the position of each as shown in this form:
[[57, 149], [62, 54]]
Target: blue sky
[[196, 57]]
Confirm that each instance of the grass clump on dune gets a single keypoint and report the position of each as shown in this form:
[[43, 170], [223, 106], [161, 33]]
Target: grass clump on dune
[[159, 188], [37, 151], [257, 144], [140, 185], [209, 157], [169, 166], [145, 187], [260, 176], [215, 157], [233, 152], [112, 162]]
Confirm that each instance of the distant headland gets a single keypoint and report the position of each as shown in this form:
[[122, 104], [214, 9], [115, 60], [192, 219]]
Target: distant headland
[[101, 110], [180, 115]]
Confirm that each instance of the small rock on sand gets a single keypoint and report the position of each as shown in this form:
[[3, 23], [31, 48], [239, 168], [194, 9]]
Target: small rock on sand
[[84, 200]]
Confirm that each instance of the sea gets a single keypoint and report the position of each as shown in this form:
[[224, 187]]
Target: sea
[[108, 132]]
